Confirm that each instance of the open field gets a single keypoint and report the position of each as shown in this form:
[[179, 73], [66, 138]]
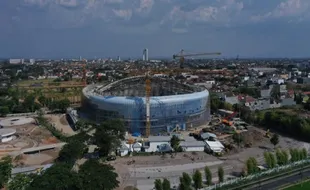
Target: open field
[[300, 186], [44, 81], [29, 82]]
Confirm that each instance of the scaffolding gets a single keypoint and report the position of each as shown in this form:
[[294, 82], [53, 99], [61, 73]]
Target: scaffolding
[[172, 104]]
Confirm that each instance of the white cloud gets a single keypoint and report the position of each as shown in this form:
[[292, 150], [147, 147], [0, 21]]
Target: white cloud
[[288, 8], [145, 5], [67, 3], [224, 12], [124, 14], [38, 2]]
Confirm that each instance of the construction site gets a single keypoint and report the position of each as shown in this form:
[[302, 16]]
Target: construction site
[[30, 144], [148, 104]]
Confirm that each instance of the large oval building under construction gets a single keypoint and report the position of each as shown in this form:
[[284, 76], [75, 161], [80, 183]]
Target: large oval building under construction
[[172, 105]]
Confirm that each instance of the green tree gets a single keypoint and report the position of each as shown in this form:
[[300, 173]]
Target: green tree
[[252, 166], [197, 178], [82, 125], [175, 143], [272, 160], [274, 139], [183, 185], [227, 106], [285, 156], [94, 175], [268, 159], [43, 100], [59, 176], [304, 153], [282, 157], [71, 152], [158, 185], [20, 182], [108, 136], [279, 156], [220, 173], [4, 110], [294, 155], [215, 102], [5, 170], [208, 176], [63, 104], [186, 180], [166, 184]]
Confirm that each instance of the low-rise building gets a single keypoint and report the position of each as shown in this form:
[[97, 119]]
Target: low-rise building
[[193, 146], [157, 144], [214, 147]]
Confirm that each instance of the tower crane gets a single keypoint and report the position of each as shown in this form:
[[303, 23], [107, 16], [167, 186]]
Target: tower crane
[[148, 89], [181, 55]]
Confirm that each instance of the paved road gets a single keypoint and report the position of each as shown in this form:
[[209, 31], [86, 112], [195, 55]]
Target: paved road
[[144, 178], [275, 184]]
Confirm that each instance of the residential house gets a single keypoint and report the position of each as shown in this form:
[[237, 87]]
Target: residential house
[[232, 100], [260, 104], [266, 93]]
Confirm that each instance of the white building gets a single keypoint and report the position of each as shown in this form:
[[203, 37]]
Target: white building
[[7, 135], [193, 146], [145, 55], [214, 146], [32, 61], [157, 144], [124, 149], [16, 61]]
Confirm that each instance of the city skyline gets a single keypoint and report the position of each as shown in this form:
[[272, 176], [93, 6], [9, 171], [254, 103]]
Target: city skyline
[[111, 28]]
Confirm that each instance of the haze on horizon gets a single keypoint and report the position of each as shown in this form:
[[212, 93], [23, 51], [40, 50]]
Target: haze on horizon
[[110, 28]]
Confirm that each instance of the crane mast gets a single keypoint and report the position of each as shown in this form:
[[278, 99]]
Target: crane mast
[[148, 89]]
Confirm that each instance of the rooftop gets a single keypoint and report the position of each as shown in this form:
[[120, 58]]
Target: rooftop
[[135, 86], [159, 138]]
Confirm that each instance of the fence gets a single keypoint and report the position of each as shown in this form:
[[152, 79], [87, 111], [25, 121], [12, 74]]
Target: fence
[[249, 178]]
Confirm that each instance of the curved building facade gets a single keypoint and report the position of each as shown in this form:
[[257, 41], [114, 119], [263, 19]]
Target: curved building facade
[[173, 106]]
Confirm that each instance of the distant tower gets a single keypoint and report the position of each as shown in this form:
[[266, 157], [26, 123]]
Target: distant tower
[[145, 55], [80, 58]]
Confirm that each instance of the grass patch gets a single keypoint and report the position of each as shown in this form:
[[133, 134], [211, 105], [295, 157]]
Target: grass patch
[[300, 186]]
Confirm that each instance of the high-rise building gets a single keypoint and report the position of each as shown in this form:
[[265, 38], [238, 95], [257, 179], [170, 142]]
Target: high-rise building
[[145, 55]]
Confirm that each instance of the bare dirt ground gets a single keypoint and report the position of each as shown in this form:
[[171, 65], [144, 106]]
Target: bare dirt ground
[[29, 136], [61, 123]]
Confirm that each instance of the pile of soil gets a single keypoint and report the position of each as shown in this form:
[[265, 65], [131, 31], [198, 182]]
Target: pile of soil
[[252, 136]]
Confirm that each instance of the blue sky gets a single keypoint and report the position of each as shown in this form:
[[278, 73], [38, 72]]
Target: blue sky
[[108, 28]]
